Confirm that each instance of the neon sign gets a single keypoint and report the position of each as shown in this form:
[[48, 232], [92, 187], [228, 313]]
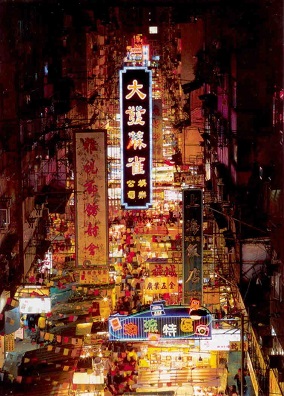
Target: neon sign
[[163, 322], [136, 137]]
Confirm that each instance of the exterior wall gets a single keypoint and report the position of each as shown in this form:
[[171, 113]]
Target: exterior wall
[[9, 160]]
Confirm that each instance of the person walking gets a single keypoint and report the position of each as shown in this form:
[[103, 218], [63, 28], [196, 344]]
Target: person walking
[[237, 378]]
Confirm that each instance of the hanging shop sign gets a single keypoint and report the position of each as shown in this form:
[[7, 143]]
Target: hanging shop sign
[[161, 285], [192, 244], [136, 137], [222, 339], [163, 277], [162, 322], [238, 346], [91, 198]]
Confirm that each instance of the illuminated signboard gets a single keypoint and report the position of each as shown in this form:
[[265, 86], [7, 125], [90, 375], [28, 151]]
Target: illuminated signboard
[[164, 322], [138, 52], [136, 137], [192, 244]]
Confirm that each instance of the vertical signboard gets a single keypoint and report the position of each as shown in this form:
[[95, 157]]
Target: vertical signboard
[[158, 130], [146, 55], [136, 137], [91, 198], [192, 244]]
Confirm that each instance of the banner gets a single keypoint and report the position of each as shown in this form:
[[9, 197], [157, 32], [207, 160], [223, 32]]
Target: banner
[[91, 198]]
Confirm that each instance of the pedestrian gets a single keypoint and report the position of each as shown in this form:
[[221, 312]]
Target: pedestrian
[[31, 322], [126, 304], [42, 322], [119, 305], [1, 375], [232, 390], [237, 378], [138, 306]]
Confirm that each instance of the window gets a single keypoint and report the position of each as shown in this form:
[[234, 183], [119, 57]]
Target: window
[[153, 29], [276, 286], [4, 218]]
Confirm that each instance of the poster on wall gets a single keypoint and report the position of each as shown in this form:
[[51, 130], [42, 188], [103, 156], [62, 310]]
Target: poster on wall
[[91, 198], [192, 244], [136, 137]]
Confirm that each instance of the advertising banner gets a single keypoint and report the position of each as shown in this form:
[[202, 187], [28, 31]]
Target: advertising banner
[[91, 198], [192, 244], [136, 137]]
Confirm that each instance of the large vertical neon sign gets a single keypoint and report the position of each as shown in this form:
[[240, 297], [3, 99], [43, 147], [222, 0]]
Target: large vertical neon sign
[[136, 137]]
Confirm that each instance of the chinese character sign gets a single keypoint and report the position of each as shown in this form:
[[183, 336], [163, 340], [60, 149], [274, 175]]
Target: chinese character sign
[[136, 137], [97, 275], [192, 244], [163, 278], [165, 322], [91, 198]]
